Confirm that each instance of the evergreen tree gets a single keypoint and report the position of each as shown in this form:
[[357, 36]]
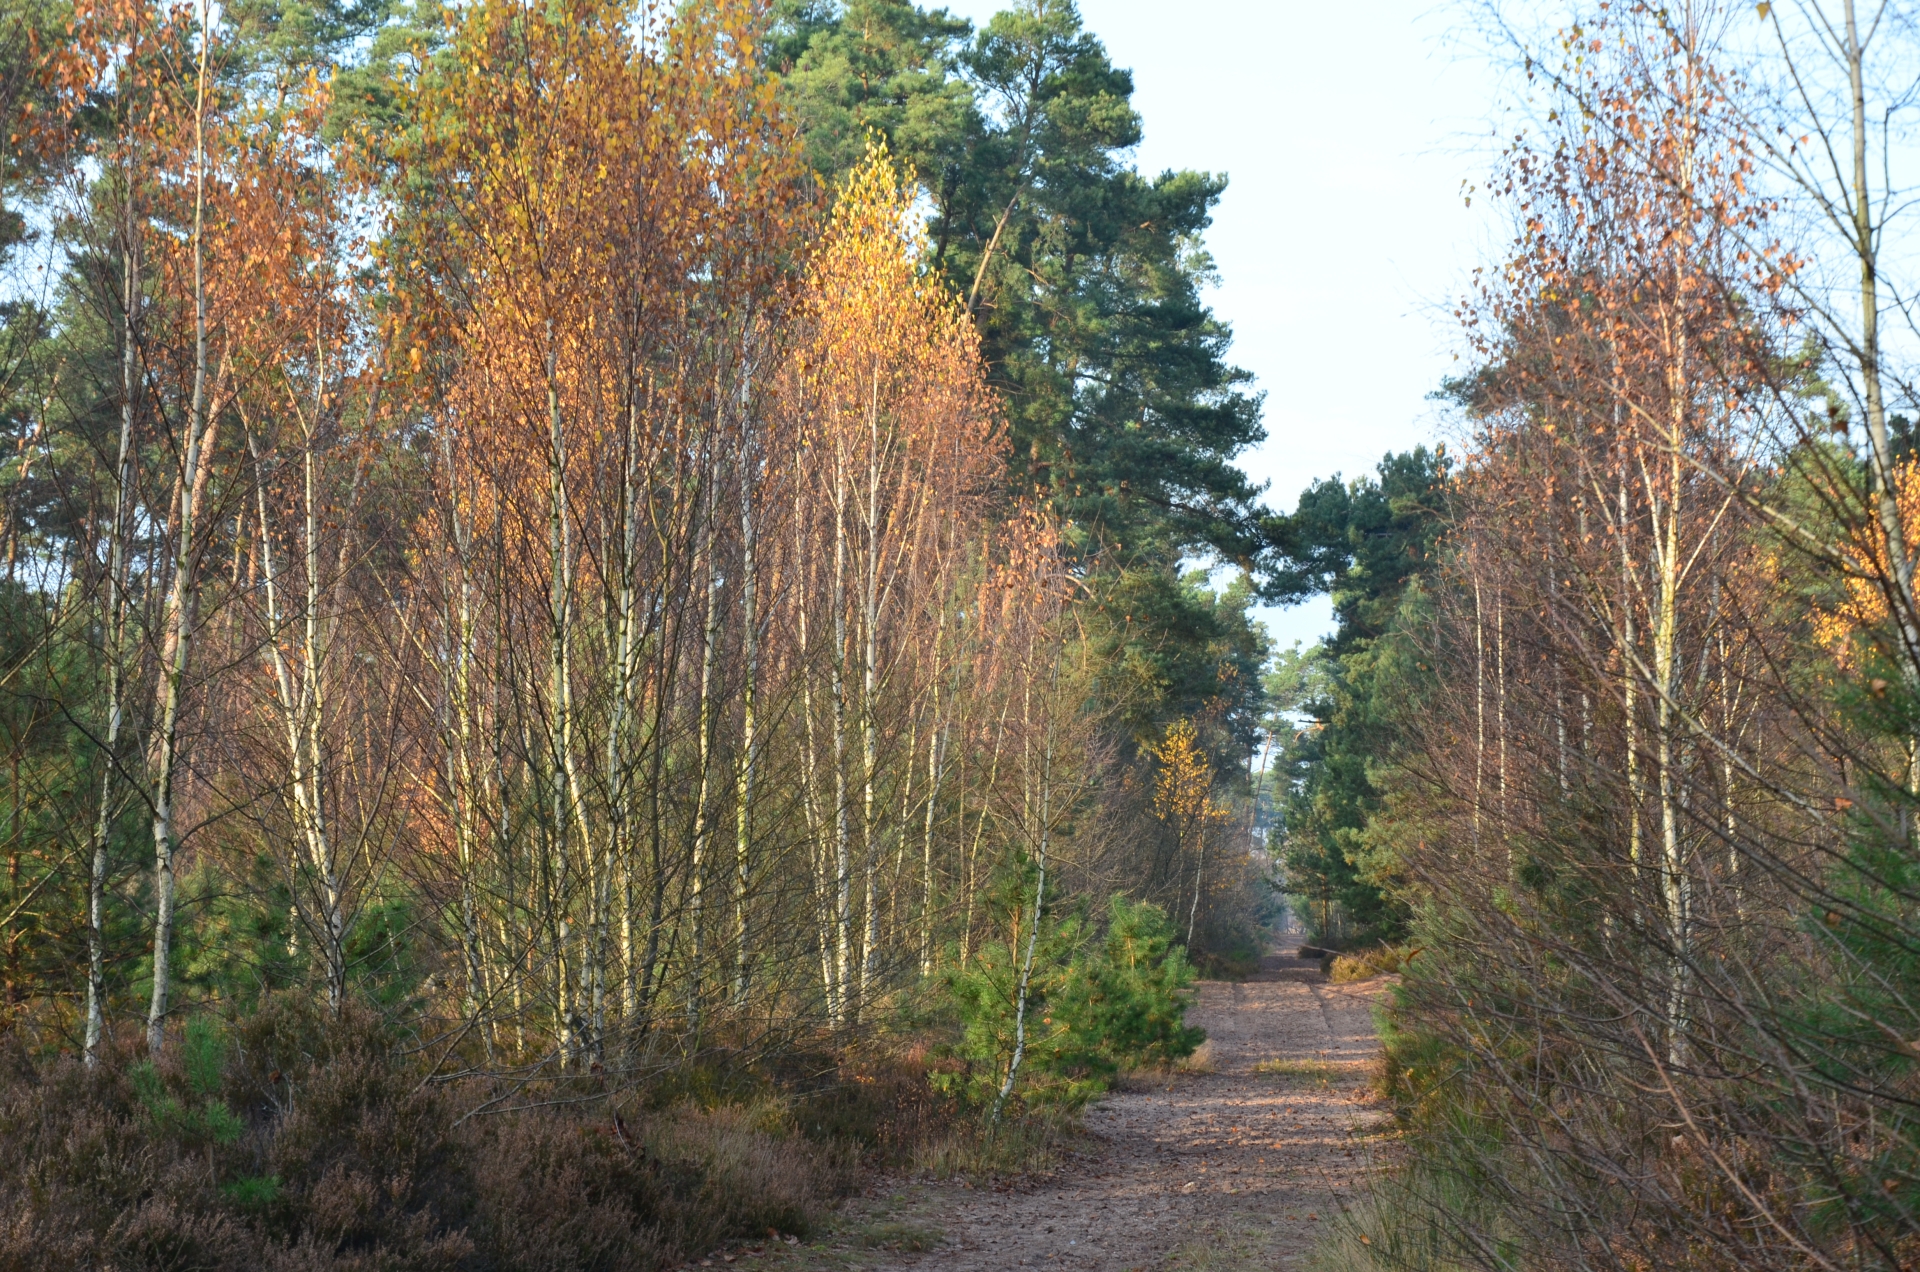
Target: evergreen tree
[[1085, 278], [1365, 544]]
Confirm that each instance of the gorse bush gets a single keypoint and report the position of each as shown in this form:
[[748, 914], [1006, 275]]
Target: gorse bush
[[1096, 1005]]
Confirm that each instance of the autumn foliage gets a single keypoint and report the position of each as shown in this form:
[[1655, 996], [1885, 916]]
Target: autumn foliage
[[1653, 806]]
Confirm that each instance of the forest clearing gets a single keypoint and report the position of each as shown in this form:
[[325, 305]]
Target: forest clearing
[[631, 635]]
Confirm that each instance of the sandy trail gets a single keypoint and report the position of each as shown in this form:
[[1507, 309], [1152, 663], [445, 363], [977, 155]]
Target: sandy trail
[[1232, 1168]]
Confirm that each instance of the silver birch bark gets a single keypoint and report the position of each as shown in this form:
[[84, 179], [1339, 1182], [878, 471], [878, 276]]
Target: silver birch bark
[[749, 755], [1041, 829], [116, 621], [176, 654], [704, 721]]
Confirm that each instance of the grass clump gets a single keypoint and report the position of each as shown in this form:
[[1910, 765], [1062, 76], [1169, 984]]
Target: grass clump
[[1315, 1070], [1400, 1225], [906, 1238], [1367, 964], [1196, 1062], [972, 1149]]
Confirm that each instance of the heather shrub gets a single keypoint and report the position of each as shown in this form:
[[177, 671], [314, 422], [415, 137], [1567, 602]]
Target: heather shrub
[[551, 1196], [747, 1180], [297, 1140]]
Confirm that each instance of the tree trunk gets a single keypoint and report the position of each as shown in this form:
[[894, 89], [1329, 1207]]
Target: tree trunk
[[176, 655], [116, 622]]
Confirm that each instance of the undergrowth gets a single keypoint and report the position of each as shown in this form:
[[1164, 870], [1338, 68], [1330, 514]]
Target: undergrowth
[[293, 1141], [1366, 964]]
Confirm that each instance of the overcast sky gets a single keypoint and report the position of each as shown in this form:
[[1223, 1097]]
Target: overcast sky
[[1346, 131]]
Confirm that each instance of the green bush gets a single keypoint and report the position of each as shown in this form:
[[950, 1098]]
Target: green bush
[[196, 1115], [1132, 994], [1095, 1006]]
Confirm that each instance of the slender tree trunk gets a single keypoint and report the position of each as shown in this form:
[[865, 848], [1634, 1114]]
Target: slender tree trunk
[[1500, 717], [817, 847], [462, 780], [1674, 880], [869, 682], [115, 632], [1559, 688], [1629, 670], [663, 692], [560, 715], [743, 793], [702, 821], [315, 656], [181, 604], [617, 862], [935, 771], [303, 711], [1479, 706], [1730, 822], [1199, 872], [842, 847], [1042, 838]]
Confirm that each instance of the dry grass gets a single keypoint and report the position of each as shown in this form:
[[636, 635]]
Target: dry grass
[[1201, 1061], [1313, 1070], [970, 1150], [1367, 964], [1399, 1223]]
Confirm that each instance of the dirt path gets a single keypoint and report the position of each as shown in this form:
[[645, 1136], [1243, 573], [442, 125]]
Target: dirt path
[[1236, 1166]]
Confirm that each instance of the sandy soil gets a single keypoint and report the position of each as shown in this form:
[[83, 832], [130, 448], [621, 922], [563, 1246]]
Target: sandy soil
[[1238, 1165]]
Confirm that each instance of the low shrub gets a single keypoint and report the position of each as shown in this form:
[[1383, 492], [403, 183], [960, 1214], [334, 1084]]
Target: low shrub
[[1096, 1006], [298, 1141], [1366, 964], [970, 1147]]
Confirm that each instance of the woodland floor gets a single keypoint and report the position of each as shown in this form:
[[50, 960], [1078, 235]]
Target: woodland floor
[[1237, 1165]]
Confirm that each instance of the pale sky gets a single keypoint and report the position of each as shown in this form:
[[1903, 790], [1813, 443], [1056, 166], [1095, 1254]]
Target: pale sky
[[1346, 131]]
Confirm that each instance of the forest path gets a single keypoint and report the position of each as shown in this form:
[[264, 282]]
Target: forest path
[[1239, 1165]]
